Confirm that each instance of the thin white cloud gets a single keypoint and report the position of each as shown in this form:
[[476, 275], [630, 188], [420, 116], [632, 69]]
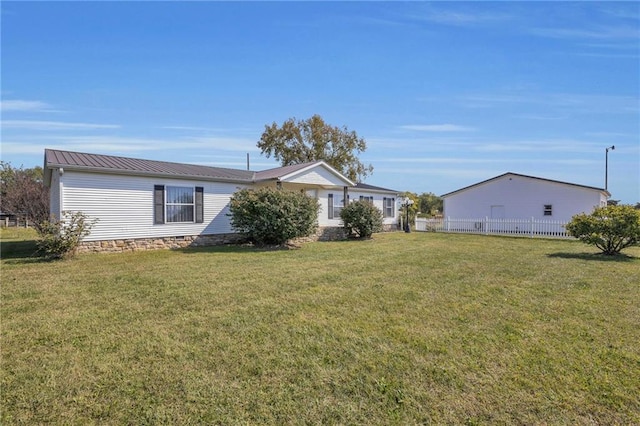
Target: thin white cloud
[[542, 117], [219, 130], [22, 148], [191, 128], [437, 128], [628, 13], [115, 144], [479, 161], [539, 146], [573, 103], [53, 125], [450, 17], [24, 106], [601, 33]]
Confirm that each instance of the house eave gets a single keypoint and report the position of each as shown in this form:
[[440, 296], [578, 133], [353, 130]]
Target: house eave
[[142, 173], [291, 175]]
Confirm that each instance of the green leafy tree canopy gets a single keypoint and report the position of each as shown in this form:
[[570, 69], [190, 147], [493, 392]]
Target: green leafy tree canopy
[[302, 141], [611, 228], [430, 204], [23, 193]]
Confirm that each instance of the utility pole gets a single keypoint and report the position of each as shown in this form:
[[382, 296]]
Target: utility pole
[[606, 166]]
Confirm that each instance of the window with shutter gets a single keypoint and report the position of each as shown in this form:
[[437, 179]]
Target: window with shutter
[[389, 205], [176, 204], [199, 204], [158, 204], [330, 206]]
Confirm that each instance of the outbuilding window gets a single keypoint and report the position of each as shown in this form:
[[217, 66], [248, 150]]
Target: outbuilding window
[[548, 210], [178, 204]]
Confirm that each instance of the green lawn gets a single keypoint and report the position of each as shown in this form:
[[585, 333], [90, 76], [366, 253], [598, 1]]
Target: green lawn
[[402, 329]]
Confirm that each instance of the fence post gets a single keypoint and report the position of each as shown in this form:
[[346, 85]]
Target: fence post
[[486, 225], [532, 226]]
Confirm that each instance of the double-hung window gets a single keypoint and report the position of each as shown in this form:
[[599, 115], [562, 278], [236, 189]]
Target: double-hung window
[[334, 207], [548, 210], [367, 199], [178, 204], [389, 207]]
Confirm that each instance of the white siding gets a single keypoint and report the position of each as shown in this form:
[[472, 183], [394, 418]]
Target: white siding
[[354, 195], [522, 197], [123, 205], [378, 200], [323, 199], [317, 176]]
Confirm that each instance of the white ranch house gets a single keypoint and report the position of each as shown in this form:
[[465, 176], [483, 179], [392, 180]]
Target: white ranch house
[[516, 196], [144, 204]]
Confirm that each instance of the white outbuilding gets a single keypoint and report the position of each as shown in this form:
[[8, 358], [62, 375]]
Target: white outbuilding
[[516, 196]]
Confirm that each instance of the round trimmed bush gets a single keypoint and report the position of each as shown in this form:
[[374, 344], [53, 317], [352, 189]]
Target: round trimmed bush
[[269, 216], [361, 219]]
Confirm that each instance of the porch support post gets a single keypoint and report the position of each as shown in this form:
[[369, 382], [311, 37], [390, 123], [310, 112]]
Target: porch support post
[[345, 196]]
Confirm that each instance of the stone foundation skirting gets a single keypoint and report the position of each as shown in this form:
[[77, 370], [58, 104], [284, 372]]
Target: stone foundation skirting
[[160, 243]]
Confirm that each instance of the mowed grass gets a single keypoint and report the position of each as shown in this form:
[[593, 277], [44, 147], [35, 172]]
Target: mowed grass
[[401, 329]]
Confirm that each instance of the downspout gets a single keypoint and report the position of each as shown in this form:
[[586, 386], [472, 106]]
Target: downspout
[[58, 214]]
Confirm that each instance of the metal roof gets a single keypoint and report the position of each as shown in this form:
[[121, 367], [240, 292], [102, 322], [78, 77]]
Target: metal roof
[[374, 188], [121, 165], [70, 160], [124, 165]]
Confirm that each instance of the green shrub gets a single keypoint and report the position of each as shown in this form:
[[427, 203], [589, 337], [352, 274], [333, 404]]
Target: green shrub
[[610, 228], [272, 216], [361, 219], [60, 239]]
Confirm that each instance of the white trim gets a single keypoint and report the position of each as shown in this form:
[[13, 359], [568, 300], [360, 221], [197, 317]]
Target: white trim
[[293, 175]]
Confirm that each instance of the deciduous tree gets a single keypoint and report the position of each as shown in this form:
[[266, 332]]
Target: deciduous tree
[[302, 141], [430, 204], [23, 193], [610, 228]]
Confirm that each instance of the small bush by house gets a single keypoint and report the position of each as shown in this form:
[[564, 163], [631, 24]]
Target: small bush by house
[[361, 219], [60, 239]]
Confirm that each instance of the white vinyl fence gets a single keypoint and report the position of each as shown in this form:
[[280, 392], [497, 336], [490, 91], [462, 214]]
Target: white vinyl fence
[[516, 227]]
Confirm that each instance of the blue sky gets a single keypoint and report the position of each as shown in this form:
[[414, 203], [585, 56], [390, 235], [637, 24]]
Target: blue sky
[[445, 93]]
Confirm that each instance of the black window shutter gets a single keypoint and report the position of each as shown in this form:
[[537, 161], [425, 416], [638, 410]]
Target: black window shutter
[[158, 204], [199, 204], [330, 206]]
